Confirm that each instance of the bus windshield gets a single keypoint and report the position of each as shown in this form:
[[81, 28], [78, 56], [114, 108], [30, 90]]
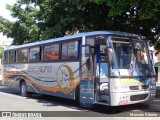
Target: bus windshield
[[130, 58]]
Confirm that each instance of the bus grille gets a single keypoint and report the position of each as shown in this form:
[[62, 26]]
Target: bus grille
[[139, 87], [145, 86], [134, 87], [138, 97]]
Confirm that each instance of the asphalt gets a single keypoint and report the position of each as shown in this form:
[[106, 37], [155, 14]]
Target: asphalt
[[155, 104]]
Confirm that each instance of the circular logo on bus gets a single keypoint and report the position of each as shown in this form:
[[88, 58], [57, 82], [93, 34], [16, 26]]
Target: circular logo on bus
[[65, 78]]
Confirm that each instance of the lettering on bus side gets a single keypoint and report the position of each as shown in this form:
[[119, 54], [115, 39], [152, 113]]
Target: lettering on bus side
[[42, 69]]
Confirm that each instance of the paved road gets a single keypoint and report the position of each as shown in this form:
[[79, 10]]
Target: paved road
[[10, 100]]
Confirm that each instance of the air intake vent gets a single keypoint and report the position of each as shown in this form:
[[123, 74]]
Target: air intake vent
[[145, 86], [141, 87], [134, 87], [138, 97]]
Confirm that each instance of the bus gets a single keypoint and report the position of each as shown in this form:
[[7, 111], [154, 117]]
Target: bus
[[101, 67]]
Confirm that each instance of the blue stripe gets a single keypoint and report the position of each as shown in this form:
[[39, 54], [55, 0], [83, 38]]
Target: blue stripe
[[78, 68], [44, 80], [34, 77]]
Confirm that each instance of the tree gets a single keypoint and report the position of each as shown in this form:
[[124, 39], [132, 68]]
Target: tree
[[52, 18], [45, 19], [137, 16], [1, 52]]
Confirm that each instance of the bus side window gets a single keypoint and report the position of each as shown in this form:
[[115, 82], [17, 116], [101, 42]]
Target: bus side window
[[35, 54], [51, 52], [103, 53], [22, 55], [5, 57], [12, 56], [69, 50]]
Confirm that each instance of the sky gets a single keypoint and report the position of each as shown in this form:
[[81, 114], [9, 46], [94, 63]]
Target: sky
[[6, 14], [3, 11]]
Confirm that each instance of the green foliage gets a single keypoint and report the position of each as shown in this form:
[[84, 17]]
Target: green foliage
[[144, 9], [45, 19], [4, 26], [1, 52], [137, 16]]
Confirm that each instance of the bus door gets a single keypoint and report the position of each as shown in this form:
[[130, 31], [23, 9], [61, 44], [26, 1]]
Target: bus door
[[86, 76], [102, 72]]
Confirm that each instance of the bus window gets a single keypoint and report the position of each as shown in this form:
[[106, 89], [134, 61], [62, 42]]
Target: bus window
[[12, 56], [34, 54], [64, 51], [69, 50], [122, 56], [5, 58], [22, 55], [140, 52], [51, 52], [90, 40], [103, 53], [73, 50]]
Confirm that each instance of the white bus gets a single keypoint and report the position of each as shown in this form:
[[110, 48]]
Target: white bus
[[101, 67]]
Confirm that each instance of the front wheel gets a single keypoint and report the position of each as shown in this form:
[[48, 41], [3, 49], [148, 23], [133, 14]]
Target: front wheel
[[86, 105], [23, 89]]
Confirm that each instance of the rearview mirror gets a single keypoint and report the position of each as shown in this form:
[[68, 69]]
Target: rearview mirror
[[108, 42]]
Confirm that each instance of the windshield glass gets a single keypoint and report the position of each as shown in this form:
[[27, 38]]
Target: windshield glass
[[130, 57]]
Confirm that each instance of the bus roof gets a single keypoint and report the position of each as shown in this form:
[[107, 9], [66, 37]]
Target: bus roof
[[71, 37]]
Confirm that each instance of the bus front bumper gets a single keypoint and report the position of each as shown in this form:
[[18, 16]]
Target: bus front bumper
[[126, 98]]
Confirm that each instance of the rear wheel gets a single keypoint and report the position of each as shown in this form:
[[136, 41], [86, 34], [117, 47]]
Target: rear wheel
[[23, 89]]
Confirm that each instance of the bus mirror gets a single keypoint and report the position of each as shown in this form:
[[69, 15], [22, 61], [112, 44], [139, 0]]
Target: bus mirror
[[108, 43], [110, 54]]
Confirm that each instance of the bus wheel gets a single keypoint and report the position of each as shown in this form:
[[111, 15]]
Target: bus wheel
[[86, 105], [23, 89]]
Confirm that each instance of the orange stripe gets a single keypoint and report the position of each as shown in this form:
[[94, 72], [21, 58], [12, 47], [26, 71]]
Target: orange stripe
[[30, 81], [53, 89]]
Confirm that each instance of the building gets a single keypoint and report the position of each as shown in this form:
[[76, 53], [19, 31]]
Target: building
[[156, 58], [4, 41]]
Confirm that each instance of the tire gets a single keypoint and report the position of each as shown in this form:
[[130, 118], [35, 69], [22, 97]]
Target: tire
[[23, 88], [86, 105]]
